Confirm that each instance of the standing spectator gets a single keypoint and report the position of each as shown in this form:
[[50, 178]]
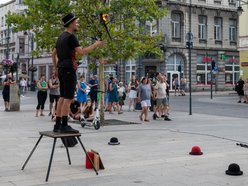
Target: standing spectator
[[144, 96], [246, 91], [176, 85], [6, 91], [23, 85], [122, 94], [161, 97], [132, 88], [106, 91], [93, 84], [41, 95], [81, 91], [155, 93], [53, 94], [167, 105], [239, 88], [113, 96], [182, 86]]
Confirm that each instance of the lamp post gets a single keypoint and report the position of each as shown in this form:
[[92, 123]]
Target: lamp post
[[31, 68], [189, 46], [32, 59], [8, 38]]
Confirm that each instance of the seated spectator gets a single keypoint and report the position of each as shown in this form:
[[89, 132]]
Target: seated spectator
[[88, 111], [75, 111]]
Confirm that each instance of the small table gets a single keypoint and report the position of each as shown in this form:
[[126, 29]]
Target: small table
[[56, 135]]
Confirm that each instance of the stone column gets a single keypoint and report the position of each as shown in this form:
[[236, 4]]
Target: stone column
[[14, 98]]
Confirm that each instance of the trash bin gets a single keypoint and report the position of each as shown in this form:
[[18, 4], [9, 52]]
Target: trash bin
[[32, 86]]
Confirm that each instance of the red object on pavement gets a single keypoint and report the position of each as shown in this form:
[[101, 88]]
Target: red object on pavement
[[196, 150], [88, 165]]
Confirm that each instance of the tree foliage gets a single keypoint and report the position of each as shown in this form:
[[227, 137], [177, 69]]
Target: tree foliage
[[126, 22]]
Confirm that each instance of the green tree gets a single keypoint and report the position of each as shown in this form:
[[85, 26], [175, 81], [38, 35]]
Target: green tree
[[125, 20]]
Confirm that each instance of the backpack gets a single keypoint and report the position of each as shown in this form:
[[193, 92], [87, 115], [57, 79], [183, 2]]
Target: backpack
[[69, 141]]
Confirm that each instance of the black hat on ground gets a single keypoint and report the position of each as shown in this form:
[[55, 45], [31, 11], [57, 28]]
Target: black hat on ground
[[234, 170], [68, 19], [114, 141]]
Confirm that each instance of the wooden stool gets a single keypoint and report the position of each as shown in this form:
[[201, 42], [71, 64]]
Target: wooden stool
[[56, 135]]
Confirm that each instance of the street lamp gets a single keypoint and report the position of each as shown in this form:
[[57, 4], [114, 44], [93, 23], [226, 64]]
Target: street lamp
[[240, 9]]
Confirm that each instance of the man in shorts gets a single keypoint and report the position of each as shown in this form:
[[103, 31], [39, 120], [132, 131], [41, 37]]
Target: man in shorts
[[65, 67], [161, 97]]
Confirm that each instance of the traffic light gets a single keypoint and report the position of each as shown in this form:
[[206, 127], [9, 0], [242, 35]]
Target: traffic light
[[189, 44], [212, 64]]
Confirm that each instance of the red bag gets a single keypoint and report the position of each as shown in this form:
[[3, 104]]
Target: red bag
[[88, 165]]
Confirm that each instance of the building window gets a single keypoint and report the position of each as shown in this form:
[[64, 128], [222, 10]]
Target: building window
[[202, 27], [130, 70], [217, 2], [218, 28], [2, 21], [233, 30], [232, 2], [232, 70], [176, 26], [203, 73], [174, 61], [109, 69], [152, 27]]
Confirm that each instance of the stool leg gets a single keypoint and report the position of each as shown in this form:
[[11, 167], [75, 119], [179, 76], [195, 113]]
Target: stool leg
[[32, 152], [67, 150], [51, 159], [87, 155]]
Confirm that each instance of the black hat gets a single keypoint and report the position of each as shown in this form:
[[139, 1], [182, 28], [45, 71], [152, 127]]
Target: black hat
[[68, 19], [114, 141], [234, 170]]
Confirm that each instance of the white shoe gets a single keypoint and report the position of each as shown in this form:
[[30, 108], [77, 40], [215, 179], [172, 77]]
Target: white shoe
[[70, 118]]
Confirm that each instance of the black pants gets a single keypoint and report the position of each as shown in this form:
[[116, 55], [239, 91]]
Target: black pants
[[68, 82], [41, 96]]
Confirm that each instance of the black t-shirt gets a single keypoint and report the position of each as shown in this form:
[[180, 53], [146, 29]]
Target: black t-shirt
[[66, 53], [94, 88], [240, 85], [6, 87], [74, 107]]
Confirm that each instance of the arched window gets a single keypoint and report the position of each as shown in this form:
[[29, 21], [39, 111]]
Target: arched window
[[175, 63]]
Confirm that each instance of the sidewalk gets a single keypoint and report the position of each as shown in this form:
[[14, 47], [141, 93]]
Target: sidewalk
[[154, 153]]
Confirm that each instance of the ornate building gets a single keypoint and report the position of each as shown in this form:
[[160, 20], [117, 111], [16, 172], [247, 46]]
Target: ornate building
[[214, 25]]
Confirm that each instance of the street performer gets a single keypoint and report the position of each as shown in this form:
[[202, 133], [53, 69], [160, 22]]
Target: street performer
[[65, 67]]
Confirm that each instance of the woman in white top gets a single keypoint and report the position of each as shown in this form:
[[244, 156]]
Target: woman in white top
[[121, 93], [132, 88]]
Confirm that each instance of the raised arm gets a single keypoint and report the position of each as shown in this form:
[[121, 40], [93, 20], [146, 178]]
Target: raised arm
[[83, 51]]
